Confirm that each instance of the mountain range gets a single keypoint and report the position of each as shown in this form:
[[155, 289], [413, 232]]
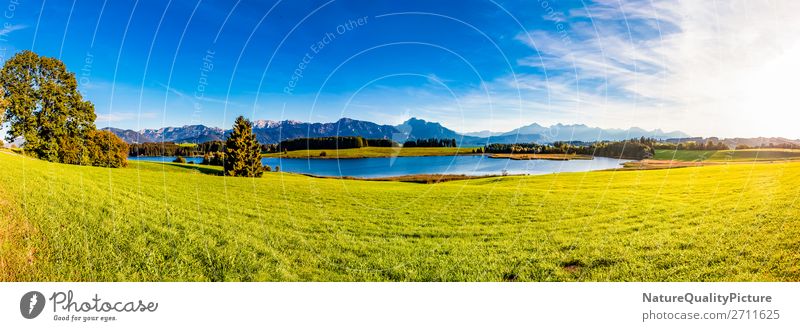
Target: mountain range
[[580, 132], [270, 132]]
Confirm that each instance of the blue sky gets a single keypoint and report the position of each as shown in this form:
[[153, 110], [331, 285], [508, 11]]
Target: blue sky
[[474, 65]]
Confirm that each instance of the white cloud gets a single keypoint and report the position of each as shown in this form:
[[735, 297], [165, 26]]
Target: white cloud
[[706, 67]]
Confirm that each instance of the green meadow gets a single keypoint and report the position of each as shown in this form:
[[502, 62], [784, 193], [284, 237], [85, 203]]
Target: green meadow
[[748, 155], [743, 155], [167, 222], [682, 155]]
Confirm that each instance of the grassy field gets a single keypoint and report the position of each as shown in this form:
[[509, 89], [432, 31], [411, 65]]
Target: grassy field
[[682, 155], [743, 155], [364, 152], [747, 155], [165, 222]]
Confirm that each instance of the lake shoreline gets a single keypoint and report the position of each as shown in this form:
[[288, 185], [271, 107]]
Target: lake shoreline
[[419, 178], [515, 157], [538, 156], [421, 168], [346, 157]]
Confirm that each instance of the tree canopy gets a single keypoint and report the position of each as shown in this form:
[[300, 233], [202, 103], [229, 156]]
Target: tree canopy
[[42, 104]]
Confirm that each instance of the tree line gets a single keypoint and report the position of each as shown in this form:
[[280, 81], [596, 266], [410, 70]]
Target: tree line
[[339, 142], [173, 149], [774, 145], [639, 148], [709, 145], [631, 149], [431, 142]]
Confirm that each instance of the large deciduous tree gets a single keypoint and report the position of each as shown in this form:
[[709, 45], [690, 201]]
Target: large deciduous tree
[[43, 106], [242, 151]]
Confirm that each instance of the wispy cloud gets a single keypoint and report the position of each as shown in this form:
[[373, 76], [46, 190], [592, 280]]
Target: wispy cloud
[[125, 116], [704, 66], [6, 30], [172, 90]]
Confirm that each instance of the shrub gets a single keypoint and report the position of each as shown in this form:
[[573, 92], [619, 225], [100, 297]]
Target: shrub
[[73, 151], [105, 149], [214, 158], [179, 159]]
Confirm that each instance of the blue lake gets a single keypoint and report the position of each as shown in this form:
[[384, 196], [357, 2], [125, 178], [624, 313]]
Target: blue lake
[[415, 165]]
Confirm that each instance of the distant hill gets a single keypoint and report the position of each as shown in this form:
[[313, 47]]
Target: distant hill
[[580, 132], [482, 134], [267, 132], [129, 136], [186, 133], [514, 139], [734, 142], [270, 132], [415, 128]]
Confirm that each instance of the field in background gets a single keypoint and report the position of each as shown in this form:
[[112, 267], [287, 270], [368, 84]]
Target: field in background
[[365, 152], [743, 155], [746, 155], [166, 222], [682, 155]]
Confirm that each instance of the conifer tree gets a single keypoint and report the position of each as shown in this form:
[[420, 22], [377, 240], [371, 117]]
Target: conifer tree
[[242, 151]]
